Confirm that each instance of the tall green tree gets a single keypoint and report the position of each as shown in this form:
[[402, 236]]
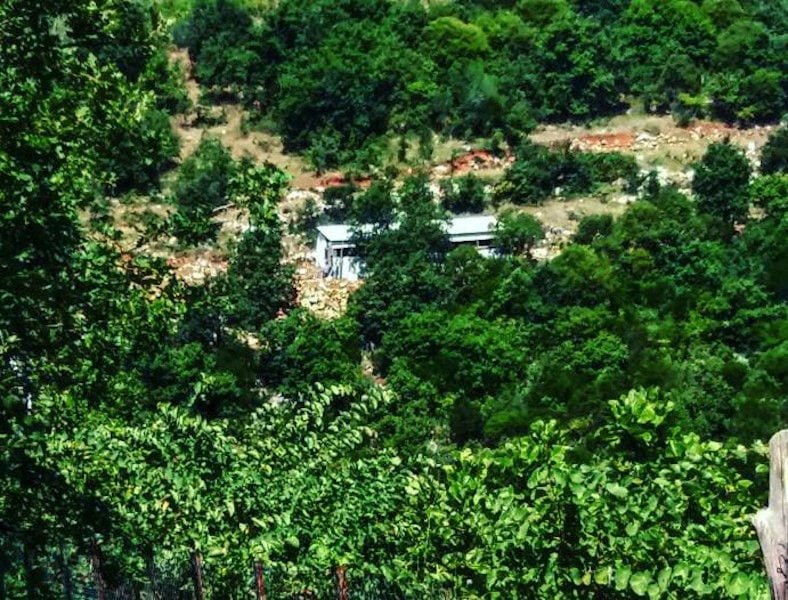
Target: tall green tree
[[517, 233], [259, 282], [774, 155], [720, 183], [73, 127]]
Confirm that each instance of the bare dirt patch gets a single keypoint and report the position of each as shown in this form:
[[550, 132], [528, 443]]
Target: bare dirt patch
[[560, 218], [473, 161], [195, 266], [258, 145], [656, 141]]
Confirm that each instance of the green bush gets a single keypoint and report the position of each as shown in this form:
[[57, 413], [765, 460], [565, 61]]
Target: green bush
[[538, 171], [607, 167], [202, 185], [464, 194], [593, 227], [774, 155]]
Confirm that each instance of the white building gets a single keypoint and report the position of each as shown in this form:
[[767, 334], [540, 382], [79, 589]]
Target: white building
[[335, 253], [476, 230]]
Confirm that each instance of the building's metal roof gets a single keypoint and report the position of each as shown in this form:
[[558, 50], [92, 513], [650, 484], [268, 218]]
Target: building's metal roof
[[335, 233], [474, 225]]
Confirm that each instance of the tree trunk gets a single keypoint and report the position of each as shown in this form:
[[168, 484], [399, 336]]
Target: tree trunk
[[199, 591], [259, 577], [772, 523], [340, 576]]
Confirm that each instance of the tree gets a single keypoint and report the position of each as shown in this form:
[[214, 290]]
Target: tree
[[651, 31], [516, 233], [579, 276], [463, 194], [575, 78], [755, 97], [542, 12], [529, 180], [774, 155], [376, 206], [771, 193], [743, 47], [202, 185], [259, 283], [593, 227], [73, 128], [302, 350], [450, 39], [720, 183], [403, 263], [723, 13], [210, 19]]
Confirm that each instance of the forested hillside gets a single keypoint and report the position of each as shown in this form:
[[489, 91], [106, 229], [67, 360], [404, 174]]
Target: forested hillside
[[474, 67], [588, 425]]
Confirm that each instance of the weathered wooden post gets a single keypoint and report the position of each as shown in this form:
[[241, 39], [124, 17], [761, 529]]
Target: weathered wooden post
[[196, 560], [259, 578], [340, 577], [772, 523]]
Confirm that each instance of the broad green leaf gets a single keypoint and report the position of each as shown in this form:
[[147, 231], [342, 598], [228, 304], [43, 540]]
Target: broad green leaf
[[623, 575], [737, 584], [639, 582]]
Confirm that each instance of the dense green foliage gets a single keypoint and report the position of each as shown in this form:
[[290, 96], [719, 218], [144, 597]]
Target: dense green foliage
[[663, 296], [203, 185], [336, 76], [516, 234], [774, 158], [588, 426], [720, 183], [539, 171], [464, 195]]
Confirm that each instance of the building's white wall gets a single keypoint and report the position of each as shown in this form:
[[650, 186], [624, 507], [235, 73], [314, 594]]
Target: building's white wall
[[321, 250], [470, 237], [347, 267]]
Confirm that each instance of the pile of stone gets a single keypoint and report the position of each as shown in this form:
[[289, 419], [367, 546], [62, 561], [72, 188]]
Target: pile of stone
[[325, 296], [472, 160], [603, 142], [195, 270]]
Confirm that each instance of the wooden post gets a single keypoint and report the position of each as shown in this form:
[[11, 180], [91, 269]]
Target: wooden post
[[95, 567], [199, 593], [772, 523], [259, 578], [340, 575]]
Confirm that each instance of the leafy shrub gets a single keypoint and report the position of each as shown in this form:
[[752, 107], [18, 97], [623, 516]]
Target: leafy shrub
[[463, 194], [607, 167], [529, 180], [166, 81], [302, 350], [774, 155], [720, 182], [538, 171], [592, 227], [517, 233], [202, 185], [339, 202]]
